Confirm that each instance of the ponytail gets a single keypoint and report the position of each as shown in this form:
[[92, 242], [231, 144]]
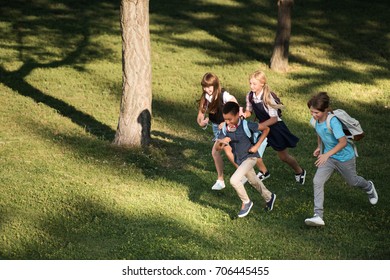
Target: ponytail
[[267, 93]]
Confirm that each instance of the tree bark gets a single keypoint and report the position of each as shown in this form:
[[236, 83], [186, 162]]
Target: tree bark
[[134, 122], [279, 59]]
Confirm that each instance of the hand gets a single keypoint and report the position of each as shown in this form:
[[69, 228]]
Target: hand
[[220, 145], [321, 159], [241, 113], [252, 150], [317, 152], [204, 122]]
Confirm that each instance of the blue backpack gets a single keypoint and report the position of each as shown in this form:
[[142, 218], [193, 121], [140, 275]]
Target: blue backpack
[[254, 137]]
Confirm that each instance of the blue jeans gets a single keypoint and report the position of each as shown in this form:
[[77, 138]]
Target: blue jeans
[[216, 131]]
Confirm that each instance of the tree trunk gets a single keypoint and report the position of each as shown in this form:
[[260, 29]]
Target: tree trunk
[[135, 111], [279, 59]]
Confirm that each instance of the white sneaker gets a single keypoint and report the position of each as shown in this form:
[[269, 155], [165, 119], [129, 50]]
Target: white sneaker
[[300, 178], [262, 176], [372, 195], [315, 221], [219, 185]]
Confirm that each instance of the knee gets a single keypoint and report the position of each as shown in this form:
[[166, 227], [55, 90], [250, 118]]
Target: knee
[[318, 181], [215, 153], [234, 182]]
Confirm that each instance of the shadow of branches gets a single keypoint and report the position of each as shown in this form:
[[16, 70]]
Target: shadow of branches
[[69, 25], [245, 31]]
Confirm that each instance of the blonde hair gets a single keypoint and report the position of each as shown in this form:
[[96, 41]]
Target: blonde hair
[[210, 79], [267, 98]]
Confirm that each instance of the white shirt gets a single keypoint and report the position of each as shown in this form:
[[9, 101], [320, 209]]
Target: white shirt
[[258, 98], [226, 97]]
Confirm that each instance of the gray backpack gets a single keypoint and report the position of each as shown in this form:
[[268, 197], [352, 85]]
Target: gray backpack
[[351, 126]]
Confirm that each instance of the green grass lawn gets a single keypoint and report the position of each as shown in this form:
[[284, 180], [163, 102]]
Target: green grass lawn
[[67, 193]]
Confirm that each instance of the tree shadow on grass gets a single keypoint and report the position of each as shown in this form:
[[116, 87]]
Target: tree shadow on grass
[[244, 30], [176, 160], [87, 230], [183, 161], [232, 25], [68, 24], [71, 23], [88, 122]]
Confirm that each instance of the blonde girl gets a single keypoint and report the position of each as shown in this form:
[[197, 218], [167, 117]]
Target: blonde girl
[[261, 101]]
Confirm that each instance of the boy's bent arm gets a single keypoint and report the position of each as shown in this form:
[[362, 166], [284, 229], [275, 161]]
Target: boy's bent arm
[[264, 130], [261, 138], [318, 141], [342, 143]]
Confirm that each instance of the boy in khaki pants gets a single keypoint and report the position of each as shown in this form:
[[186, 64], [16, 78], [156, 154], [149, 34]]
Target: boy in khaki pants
[[245, 156]]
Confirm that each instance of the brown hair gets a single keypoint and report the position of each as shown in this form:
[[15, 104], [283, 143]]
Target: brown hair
[[210, 79], [320, 102]]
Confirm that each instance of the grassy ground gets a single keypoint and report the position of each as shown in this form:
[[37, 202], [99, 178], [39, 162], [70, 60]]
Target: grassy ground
[[66, 193]]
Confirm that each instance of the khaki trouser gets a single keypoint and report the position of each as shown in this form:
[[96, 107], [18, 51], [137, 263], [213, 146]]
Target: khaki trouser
[[246, 169]]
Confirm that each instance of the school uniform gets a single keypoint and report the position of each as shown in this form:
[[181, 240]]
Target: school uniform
[[216, 118], [279, 137]]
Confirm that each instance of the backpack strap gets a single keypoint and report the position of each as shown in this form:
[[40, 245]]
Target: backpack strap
[[244, 125], [250, 97], [255, 137], [277, 101], [328, 118], [246, 128], [223, 130], [349, 139], [313, 122]]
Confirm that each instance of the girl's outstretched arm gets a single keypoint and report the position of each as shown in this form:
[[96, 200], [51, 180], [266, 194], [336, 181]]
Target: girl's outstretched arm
[[270, 121]]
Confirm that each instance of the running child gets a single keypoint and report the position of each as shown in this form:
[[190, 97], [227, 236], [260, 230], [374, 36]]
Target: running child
[[338, 155], [245, 156], [260, 101], [211, 102]]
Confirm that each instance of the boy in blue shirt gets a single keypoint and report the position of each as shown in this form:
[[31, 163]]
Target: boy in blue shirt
[[245, 156], [338, 155]]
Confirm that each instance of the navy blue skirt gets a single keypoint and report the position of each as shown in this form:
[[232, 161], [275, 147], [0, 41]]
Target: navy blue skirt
[[280, 137]]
